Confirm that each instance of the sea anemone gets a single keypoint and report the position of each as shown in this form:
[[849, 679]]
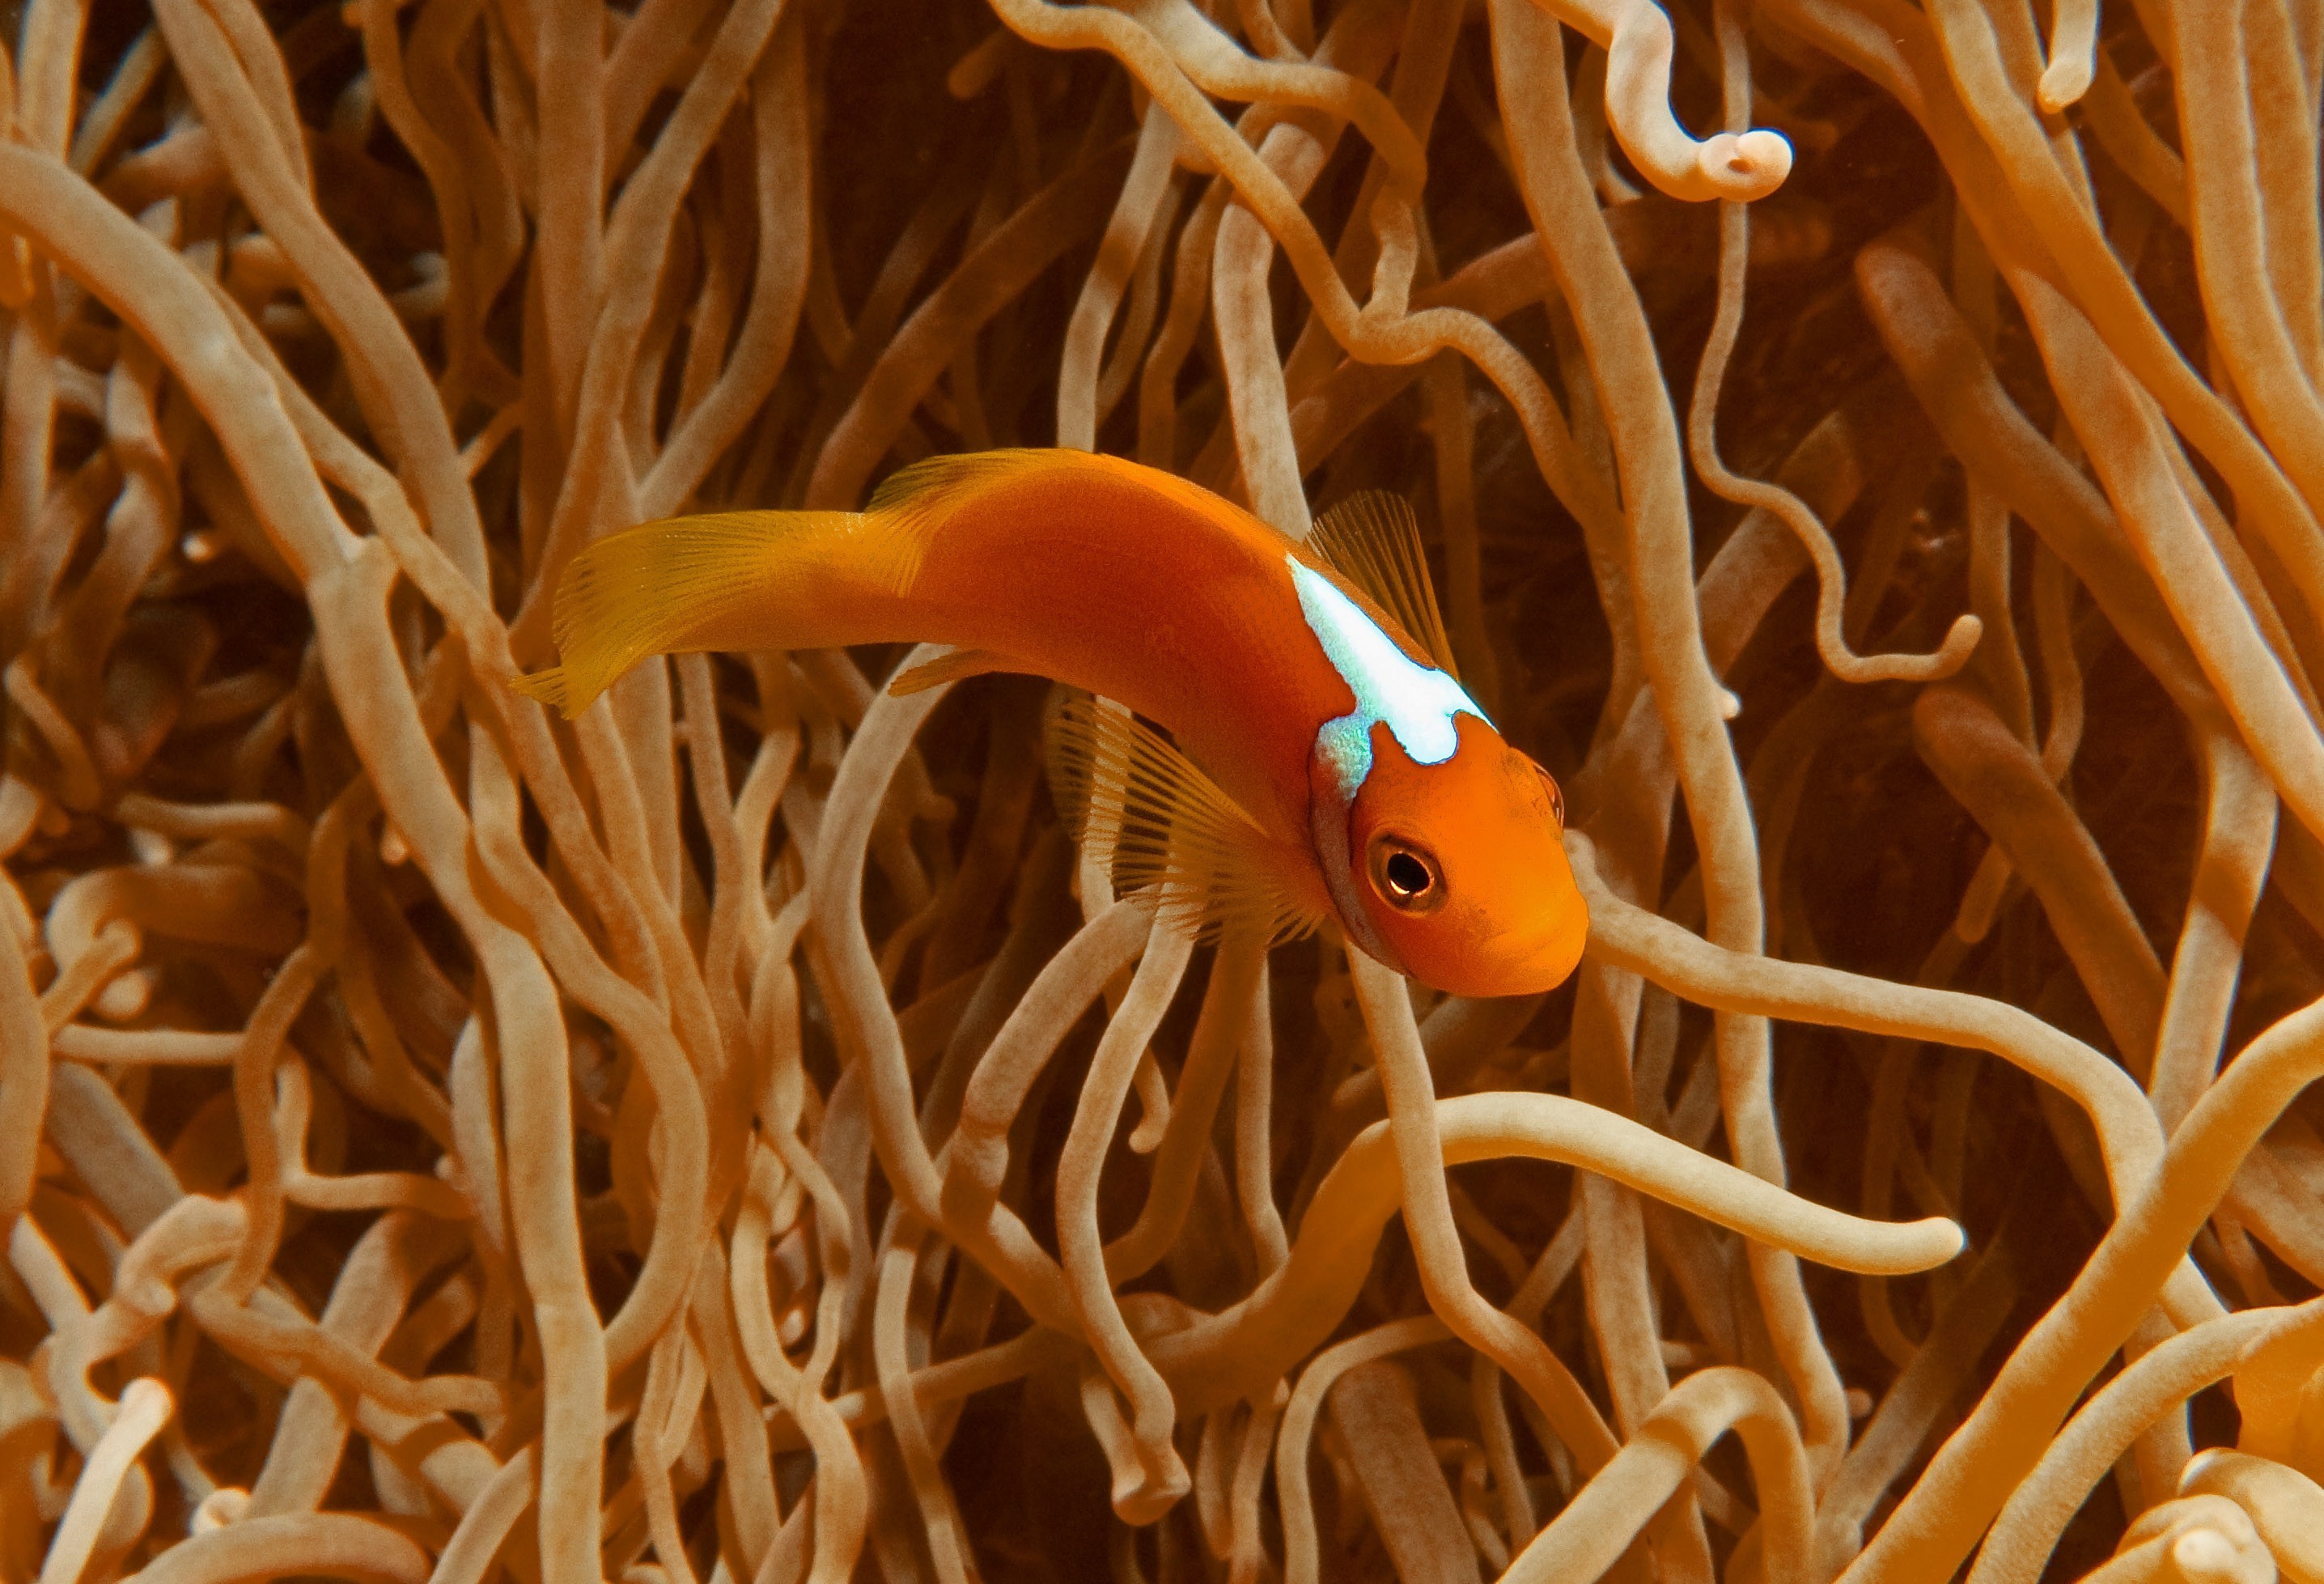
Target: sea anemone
[[738, 1136]]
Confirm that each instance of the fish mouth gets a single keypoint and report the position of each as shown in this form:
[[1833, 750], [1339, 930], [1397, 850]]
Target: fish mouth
[[1521, 960], [1543, 957]]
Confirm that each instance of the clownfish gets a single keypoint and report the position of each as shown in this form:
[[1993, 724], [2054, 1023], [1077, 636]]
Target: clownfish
[[1324, 762]]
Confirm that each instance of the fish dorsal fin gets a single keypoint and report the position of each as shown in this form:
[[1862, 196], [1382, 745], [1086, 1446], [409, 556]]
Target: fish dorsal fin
[[1373, 540], [1166, 829], [943, 474]]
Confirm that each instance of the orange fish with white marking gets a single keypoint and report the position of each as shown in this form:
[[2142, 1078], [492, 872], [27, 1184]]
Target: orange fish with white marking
[[1327, 763]]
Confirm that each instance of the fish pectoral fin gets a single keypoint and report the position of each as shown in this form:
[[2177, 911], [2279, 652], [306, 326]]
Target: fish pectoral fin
[[1373, 540], [1165, 830], [960, 664]]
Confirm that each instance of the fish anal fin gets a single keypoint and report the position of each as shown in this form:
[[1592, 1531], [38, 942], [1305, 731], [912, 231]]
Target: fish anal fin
[[956, 666], [1373, 540], [1167, 831]]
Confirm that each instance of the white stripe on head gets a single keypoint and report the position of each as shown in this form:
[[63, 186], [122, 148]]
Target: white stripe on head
[[1417, 701]]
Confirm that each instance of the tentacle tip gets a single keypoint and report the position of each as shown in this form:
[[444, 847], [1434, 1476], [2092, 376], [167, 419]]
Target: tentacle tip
[[1143, 1496], [1744, 166], [149, 1394], [124, 997], [1961, 639], [2064, 82], [2205, 1555], [221, 1507], [2190, 1476]]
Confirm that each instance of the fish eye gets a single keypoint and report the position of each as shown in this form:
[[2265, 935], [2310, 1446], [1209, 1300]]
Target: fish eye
[[1406, 875]]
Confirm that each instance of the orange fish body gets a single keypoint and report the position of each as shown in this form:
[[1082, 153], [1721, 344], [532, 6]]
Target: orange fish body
[[1375, 790]]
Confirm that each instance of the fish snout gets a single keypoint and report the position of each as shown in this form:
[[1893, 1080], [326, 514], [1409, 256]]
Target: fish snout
[[1527, 957], [1542, 953]]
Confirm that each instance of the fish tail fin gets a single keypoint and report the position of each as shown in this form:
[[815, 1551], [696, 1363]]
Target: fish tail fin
[[546, 686], [685, 583]]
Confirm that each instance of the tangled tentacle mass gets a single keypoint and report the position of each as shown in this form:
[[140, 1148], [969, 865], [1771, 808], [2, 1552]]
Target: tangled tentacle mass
[[1872, 454]]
